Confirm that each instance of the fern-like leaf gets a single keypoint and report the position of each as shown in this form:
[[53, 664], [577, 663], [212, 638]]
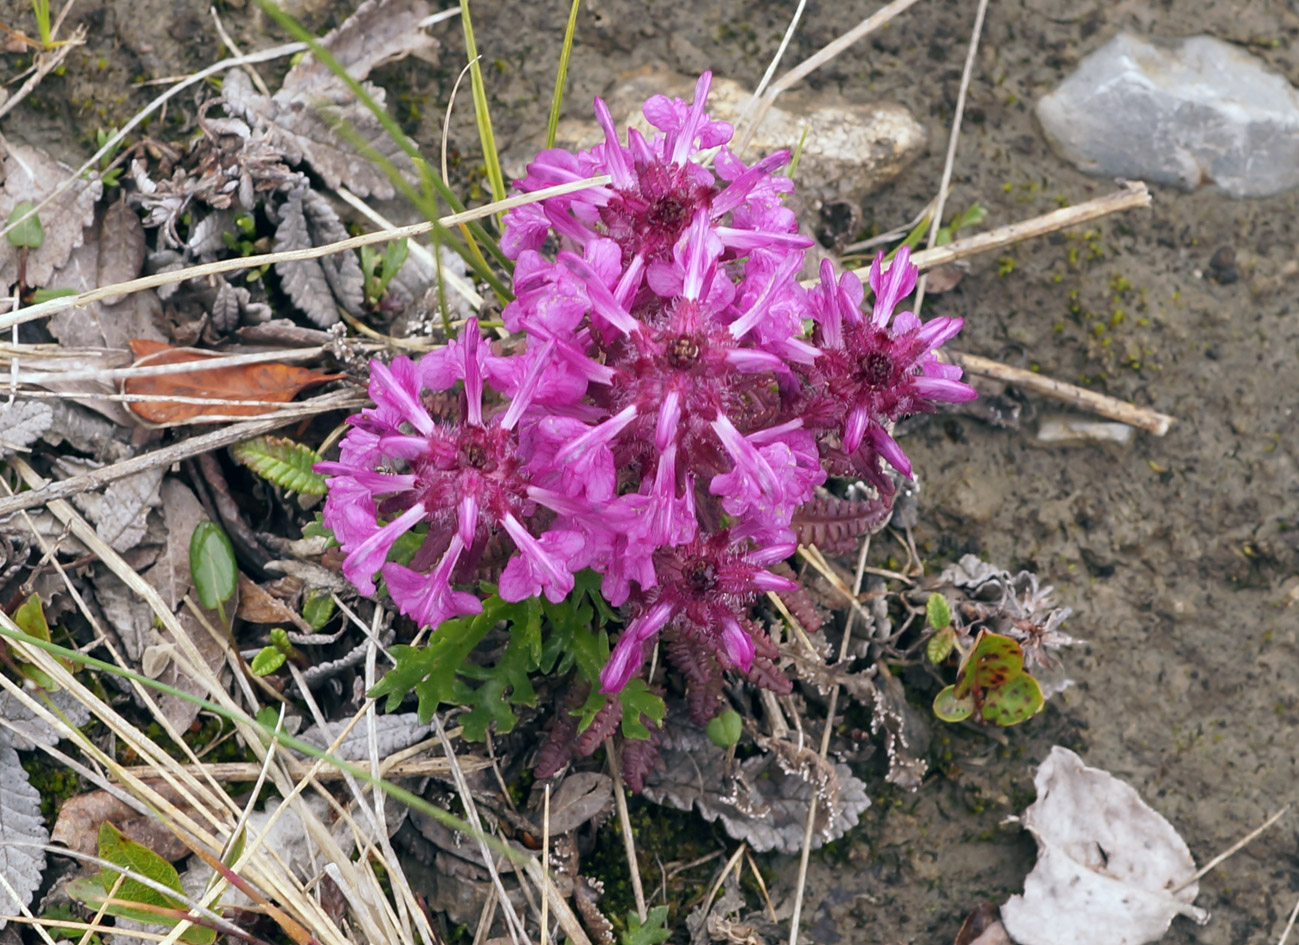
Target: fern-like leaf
[[283, 462], [835, 525]]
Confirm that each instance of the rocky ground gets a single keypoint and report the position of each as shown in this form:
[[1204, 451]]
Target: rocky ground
[[1178, 554]]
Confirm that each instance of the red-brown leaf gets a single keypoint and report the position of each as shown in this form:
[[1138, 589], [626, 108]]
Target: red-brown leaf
[[270, 382]]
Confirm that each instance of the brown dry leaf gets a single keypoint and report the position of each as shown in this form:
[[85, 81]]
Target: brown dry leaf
[[256, 605], [272, 382], [80, 818]]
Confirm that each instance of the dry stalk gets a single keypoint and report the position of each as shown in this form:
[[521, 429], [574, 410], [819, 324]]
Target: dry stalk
[[809, 65], [806, 851], [131, 286], [952, 139], [624, 821], [1143, 418]]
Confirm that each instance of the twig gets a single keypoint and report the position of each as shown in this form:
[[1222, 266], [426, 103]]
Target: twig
[[806, 851], [762, 885], [1285, 933], [227, 771], [624, 819], [1143, 418], [64, 303], [1203, 870], [827, 52], [732, 864], [230, 44], [952, 139], [545, 867], [1133, 195], [75, 485]]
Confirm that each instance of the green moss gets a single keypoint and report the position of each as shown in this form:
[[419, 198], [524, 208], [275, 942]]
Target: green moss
[[55, 783]]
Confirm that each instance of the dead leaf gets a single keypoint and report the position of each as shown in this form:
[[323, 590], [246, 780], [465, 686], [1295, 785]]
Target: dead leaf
[[303, 118], [21, 422], [317, 286], [80, 818], [764, 800], [120, 514], [256, 605], [31, 174], [271, 382], [1106, 863], [121, 253], [582, 796]]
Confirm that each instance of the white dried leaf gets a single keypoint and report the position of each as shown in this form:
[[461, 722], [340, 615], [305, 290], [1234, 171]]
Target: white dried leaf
[[393, 733], [21, 422], [20, 823], [317, 286], [1106, 864], [207, 235], [225, 307], [31, 174]]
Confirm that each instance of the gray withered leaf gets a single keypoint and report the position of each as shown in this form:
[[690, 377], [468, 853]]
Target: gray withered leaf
[[764, 800], [120, 514], [225, 307], [393, 733], [317, 286], [31, 174], [20, 824], [21, 422], [121, 247], [316, 118], [27, 730]]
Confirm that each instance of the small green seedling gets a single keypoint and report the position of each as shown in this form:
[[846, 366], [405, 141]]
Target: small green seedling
[[381, 268], [991, 682], [29, 234], [270, 658], [939, 614], [724, 729], [212, 567]]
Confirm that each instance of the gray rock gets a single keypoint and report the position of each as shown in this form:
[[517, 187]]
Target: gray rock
[[1193, 113], [850, 149]]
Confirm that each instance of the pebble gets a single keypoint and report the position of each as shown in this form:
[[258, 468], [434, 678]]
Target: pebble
[[850, 149], [1199, 112]]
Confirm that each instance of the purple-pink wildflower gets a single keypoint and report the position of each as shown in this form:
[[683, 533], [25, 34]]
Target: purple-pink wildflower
[[666, 417]]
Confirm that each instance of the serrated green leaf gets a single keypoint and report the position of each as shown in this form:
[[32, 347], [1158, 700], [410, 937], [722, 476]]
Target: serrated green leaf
[[507, 682], [940, 645], [725, 729], [212, 565], [117, 848], [29, 234], [939, 612], [318, 529], [268, 660], [650, 932], [283, 462], [318, 610]]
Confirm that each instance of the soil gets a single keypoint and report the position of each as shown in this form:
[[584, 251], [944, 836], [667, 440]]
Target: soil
[[1179, 555]]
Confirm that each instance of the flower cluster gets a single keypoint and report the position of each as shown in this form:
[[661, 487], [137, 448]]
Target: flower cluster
[[665, 417]]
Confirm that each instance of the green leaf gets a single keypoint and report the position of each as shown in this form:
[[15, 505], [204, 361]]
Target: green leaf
[[44, 295], [724, 730], [940, 645], [65, 933], [30, 617], [318, 529], [283, 462], [117, 848], [650, 932], [638, 699], [507, 682], [268, 660], [949, 708], [212, 565], [1019, 699], [29, 233], [939, 613], [318, 609]]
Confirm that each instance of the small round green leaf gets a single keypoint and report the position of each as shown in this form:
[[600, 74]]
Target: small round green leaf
[[212, 565], [949, 708], [724, 730], [1017, 700], [939, 612], [267, 661], [29, 233]]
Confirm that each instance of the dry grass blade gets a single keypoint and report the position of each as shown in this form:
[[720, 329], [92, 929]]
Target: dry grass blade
[[812, 63], [131, 286], [804, 855], [955, 136], [624, 821]]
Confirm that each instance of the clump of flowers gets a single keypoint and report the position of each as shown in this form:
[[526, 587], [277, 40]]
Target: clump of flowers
[[665, 419]]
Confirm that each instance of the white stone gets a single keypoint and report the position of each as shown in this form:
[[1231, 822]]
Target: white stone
[[1193, 113]]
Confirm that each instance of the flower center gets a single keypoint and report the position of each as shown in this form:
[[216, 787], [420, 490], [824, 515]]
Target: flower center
[[668, 213], [699, 574], [474, 454], [682, 352], [877, 369]]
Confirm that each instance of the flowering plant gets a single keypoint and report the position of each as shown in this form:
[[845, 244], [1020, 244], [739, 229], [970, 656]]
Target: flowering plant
[[674, 402]]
